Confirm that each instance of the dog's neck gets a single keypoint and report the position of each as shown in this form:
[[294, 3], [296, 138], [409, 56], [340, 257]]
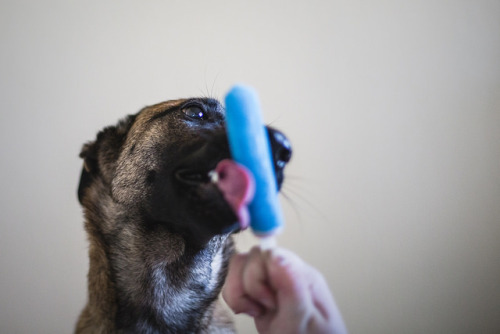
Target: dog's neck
[[171, 296], [164, 286]]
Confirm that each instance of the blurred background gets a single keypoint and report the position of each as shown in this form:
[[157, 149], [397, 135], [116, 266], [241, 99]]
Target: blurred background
[[393, 109]]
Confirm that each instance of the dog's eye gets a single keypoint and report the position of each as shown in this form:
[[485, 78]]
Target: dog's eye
[[194, 112]]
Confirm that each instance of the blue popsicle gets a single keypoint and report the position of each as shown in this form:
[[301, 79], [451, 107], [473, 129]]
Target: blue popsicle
[[249, 145]]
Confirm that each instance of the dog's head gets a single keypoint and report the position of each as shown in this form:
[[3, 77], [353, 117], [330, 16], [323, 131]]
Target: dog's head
[[155, 165]]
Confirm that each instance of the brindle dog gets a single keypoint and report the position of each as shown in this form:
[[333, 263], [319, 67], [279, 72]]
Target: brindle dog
[[159, 230]]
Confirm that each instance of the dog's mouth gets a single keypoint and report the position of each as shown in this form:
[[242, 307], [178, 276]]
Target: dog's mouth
[[193, 176], [234, 181]]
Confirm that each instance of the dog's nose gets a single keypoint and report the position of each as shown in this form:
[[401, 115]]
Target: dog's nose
[[281, 152]]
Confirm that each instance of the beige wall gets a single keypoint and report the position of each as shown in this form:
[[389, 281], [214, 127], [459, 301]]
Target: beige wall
[[393, 108]]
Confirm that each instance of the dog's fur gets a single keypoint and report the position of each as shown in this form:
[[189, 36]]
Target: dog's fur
[[159, 232]]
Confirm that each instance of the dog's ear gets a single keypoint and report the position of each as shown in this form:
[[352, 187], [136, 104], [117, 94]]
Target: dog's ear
[[90, 166], [89, 156], [99, 156]]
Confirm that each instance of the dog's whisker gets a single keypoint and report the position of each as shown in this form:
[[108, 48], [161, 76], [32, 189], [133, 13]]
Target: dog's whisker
[[298, 182], [309, 204], [271, 123], [301, 190], [213, 85], [296, 177], [293, 206], [310, 181]]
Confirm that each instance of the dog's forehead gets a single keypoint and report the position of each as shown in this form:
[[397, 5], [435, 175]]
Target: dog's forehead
[[149, 112]]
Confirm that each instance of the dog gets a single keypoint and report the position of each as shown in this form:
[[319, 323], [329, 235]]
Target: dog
[[159, 230]]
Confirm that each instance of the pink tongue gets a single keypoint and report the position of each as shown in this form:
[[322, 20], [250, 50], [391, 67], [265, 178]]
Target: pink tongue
[[238, 187]]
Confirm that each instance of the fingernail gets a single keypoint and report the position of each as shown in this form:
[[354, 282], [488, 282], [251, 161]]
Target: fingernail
[[279, 256], [268, 302], [253, 313]]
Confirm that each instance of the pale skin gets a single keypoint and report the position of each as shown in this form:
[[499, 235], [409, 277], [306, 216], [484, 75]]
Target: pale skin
[[282, 293]]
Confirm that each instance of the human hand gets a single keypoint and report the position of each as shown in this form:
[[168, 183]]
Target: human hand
[[282, 293]]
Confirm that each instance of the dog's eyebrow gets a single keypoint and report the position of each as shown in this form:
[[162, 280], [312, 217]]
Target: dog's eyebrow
[[164, 113]]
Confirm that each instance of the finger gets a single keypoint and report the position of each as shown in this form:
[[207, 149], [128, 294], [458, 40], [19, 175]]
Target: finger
[[320, 292], [233, 292], [255, 280], [303, 290], [245, 305], [232, 287], [324, 303]]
